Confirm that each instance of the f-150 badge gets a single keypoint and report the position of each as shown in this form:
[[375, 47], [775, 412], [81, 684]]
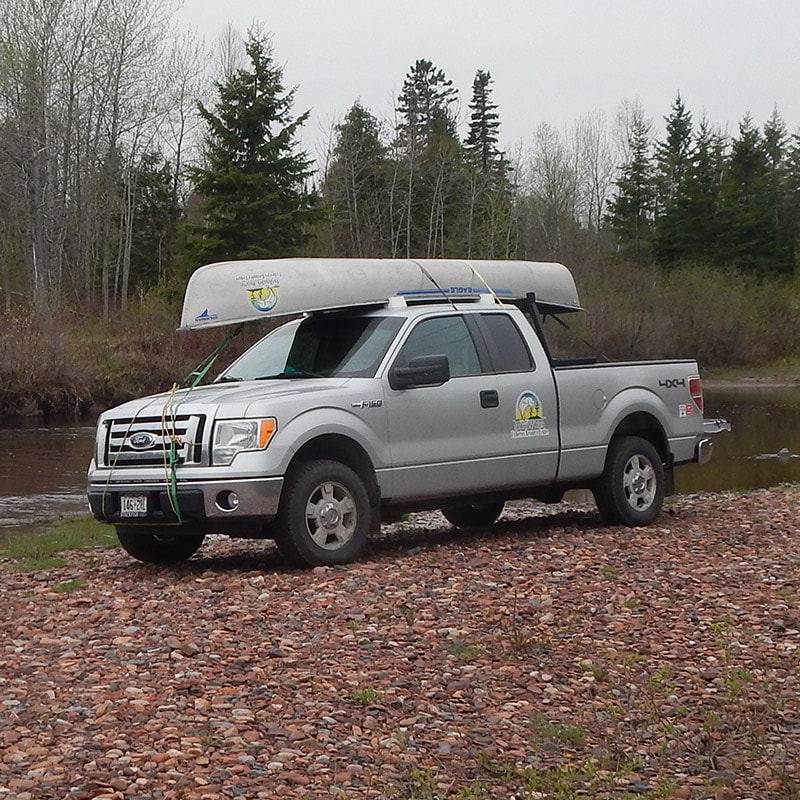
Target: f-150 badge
[[529, 417]]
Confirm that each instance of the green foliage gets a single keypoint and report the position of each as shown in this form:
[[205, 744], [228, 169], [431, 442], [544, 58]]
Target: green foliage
[[156, 213], [253, 185], [357, 182], [554, 731], [424, 106], [464, 652], [674, 162], [719, 317], [67, 586], [632, 209], [366, 696], [484, 125]]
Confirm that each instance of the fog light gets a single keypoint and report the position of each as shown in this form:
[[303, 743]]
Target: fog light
[[227, 501]]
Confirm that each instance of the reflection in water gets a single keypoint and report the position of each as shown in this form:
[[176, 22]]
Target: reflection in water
[[43, 465], [759, 451], [42, 470]]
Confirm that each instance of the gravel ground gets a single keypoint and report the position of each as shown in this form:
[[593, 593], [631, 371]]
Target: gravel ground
[[544, 657]]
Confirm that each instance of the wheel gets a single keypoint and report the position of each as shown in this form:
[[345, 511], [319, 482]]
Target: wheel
[[324, 515], [549, 495], [631, 489], [158, 545], [473, 515]]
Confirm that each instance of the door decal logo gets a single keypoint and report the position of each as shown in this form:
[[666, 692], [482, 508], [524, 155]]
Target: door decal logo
[[529, 417]]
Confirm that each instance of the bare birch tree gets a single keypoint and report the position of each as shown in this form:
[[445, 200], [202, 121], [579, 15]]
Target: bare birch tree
[[81, 98]]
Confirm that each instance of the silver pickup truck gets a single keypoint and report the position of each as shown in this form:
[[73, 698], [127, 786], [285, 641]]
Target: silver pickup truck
[[396, 386]]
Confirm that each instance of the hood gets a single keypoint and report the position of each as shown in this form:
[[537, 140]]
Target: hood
[[241, 399]]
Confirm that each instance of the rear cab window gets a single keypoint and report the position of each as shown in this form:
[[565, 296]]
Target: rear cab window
[[507, 347]]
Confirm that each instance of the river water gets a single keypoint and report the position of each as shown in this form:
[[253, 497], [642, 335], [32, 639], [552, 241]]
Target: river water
[[43, 464]]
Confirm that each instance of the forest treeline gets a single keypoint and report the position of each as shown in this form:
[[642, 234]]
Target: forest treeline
[[130, 156]]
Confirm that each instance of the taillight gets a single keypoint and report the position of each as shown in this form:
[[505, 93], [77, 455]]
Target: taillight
[[696, 391]]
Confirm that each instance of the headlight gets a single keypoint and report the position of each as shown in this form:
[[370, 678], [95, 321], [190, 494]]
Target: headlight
[[237, 436]]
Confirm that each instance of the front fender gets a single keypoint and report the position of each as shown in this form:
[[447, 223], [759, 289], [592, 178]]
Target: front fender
[[367, 427]]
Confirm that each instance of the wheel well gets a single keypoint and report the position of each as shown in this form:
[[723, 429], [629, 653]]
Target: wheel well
[[647, 427], [335, 447]]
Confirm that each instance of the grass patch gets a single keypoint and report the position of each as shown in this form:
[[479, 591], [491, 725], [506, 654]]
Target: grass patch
[[42, 550], [67, 586], [366, 696]]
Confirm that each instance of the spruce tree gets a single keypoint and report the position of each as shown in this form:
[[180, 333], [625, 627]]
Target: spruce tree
[[253, 185], [424, 106], [490, 217], [429, 180], [792, 187], [748, 239], [484, 124], [632, 208], [156, 211], [698, 202], [356, 186], [776, 148], [673, 165]]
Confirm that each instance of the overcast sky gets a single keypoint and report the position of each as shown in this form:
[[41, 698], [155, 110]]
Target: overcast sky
[[551, 61]]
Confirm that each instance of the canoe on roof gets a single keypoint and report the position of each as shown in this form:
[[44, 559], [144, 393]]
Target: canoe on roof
[[230, 292]]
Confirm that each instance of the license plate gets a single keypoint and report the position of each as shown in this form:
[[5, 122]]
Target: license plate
[[133, 505]]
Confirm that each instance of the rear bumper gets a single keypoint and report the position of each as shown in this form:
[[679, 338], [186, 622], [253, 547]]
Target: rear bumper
[[211, 505], [703, 451], [712, 426]]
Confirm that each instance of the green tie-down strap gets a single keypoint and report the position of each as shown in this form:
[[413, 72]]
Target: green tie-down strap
[[173, 478], [201, 370], [170, 412]]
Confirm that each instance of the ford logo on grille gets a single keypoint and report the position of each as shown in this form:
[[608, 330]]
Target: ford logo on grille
[[142, 440]]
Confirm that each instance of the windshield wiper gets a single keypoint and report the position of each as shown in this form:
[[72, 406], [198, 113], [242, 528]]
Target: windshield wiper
[[227, 379]]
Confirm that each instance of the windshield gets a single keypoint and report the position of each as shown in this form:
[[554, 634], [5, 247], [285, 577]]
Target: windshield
[[323, 345]]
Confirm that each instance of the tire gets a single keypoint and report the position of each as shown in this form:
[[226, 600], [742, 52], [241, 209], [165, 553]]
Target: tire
[[158, 545], [632, 487], [549, 495], [473, 515], [324, 515]]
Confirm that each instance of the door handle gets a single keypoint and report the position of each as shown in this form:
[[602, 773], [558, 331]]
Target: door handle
[[489, 398]]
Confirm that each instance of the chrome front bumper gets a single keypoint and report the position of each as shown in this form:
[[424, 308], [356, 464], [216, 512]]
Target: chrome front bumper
[[226, 502]]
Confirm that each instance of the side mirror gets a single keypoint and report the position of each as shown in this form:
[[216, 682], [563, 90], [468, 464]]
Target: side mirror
[[421, 371]]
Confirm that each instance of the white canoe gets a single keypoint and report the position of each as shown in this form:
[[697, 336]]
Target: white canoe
[[240, 291]]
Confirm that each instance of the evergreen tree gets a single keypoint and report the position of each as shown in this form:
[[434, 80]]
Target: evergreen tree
[[776, 148], [748, 235], [632, 208], [356, 186], [672, 156], [425, 102], [156, 212], [484, 125], [490, 213], [792, 189], [697, 205], [426, 196], [254, 183], [673, 165]]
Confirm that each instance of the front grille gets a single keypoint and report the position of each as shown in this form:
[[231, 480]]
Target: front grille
[[146, 441]]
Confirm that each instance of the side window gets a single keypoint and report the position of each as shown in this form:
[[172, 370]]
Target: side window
[[443, 335], [508, 348]]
